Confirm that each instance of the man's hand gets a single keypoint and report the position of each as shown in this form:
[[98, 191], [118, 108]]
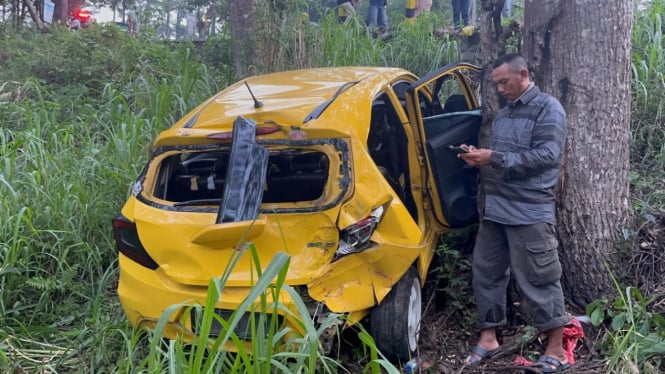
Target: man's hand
[[476, 157]]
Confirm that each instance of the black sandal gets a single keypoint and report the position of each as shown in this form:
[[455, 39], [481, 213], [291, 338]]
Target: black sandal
[[548, 364], [479, 354]]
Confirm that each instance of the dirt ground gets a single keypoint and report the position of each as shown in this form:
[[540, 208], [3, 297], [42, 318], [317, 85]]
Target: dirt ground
[[447, 335], [444, 343]]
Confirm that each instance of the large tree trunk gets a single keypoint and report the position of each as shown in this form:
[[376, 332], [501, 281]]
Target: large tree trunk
[[581, 54], [241, 22], [61, 11], [490, 50], [16, 5]]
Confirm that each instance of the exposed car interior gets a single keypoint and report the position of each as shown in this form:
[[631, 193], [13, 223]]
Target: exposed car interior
[[387, 145], [190, 177], [452, 122]]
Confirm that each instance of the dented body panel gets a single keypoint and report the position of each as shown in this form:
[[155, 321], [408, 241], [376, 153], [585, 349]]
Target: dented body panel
[[345, 188]]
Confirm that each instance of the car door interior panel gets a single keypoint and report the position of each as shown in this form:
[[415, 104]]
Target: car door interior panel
[[458, 198]]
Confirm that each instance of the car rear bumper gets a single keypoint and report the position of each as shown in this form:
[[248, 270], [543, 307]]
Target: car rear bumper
[[147, 296]]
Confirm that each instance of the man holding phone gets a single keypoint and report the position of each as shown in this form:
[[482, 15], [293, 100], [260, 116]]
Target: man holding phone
[[517, 211], [462, 148]]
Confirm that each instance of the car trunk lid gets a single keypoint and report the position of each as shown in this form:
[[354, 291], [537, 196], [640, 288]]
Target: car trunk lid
[[192, 254], [201, 204]]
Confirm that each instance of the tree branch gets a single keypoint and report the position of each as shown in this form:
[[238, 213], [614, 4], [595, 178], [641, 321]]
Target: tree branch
[[34, 15]]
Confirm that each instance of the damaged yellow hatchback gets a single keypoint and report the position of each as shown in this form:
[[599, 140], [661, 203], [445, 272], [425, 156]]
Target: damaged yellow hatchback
[[349, 171]]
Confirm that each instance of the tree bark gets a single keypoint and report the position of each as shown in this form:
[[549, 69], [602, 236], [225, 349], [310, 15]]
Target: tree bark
[[580, 52], [34, 15], [241, 21], [61, 11], [16, 13], [490, 50]]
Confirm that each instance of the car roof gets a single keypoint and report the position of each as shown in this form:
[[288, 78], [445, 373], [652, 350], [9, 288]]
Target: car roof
[[287, 98]]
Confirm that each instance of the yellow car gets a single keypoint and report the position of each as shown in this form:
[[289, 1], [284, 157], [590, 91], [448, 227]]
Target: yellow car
[[351, 171]]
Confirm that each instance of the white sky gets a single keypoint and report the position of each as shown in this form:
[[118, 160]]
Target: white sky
[[104, 14]]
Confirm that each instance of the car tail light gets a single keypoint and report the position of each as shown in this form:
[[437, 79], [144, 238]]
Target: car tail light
[[83, 15], [127, 240], [356, 237]]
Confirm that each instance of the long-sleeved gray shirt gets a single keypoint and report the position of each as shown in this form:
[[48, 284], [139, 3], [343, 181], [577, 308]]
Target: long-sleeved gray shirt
[[527, 144]]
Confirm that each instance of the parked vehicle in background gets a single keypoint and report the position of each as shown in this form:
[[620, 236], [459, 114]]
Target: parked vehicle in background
[[347, 170], [82, 17]]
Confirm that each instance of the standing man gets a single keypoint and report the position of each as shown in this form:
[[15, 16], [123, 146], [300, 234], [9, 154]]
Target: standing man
[[346, 9], [423, 6], [132, 22], [74, 24], [377, 15], [517, 210], [460, 13]]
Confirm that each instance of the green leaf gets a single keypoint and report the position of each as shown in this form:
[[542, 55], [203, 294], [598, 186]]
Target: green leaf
[[597, 316], [651, 346], [618, 321]]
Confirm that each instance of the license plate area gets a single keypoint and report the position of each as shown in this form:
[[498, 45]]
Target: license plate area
[[244, 327]]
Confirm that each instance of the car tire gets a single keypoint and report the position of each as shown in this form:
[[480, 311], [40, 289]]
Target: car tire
[[395, 322]]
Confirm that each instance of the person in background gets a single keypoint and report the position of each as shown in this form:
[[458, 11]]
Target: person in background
[[423, 6], [349, 8], [507, 8], [74, 23], [190, 21], [377, 15], [132, 22], [517, 233], [460, 13]]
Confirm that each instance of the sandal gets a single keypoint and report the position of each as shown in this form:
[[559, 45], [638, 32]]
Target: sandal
[[548, 364], [479, 354]]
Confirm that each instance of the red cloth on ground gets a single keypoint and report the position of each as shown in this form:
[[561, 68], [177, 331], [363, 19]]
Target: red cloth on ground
[[572, 333], [520, 360]]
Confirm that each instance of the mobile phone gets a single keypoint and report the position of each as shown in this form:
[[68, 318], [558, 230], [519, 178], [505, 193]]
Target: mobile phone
[[458, 148]]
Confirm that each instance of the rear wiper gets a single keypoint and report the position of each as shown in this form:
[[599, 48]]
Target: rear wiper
[[198, 202], [324, 105]]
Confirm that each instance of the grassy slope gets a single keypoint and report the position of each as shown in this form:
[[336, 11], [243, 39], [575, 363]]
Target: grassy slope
[[78, 112]]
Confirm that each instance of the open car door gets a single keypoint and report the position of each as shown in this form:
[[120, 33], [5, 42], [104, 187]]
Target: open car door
[[445, 108]]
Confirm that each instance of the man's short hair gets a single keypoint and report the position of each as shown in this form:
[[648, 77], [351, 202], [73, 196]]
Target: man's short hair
[[515, 61]]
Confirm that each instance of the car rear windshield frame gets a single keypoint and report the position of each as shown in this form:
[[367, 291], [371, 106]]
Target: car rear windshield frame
[[344, 176]]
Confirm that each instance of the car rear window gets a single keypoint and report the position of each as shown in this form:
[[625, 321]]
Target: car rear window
[[199, 177]]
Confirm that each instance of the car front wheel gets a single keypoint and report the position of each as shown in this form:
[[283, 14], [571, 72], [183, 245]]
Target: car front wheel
[[395, 323]]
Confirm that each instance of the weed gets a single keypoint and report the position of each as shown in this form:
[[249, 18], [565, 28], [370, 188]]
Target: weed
[[636, 336], [451, 272], [79, 111]]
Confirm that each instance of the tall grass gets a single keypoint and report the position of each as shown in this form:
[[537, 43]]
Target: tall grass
[[57, 259], [79, 112], [274, 347], [67, 163], [635, 336], [295, 43], [648, 132], [413, 46]]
